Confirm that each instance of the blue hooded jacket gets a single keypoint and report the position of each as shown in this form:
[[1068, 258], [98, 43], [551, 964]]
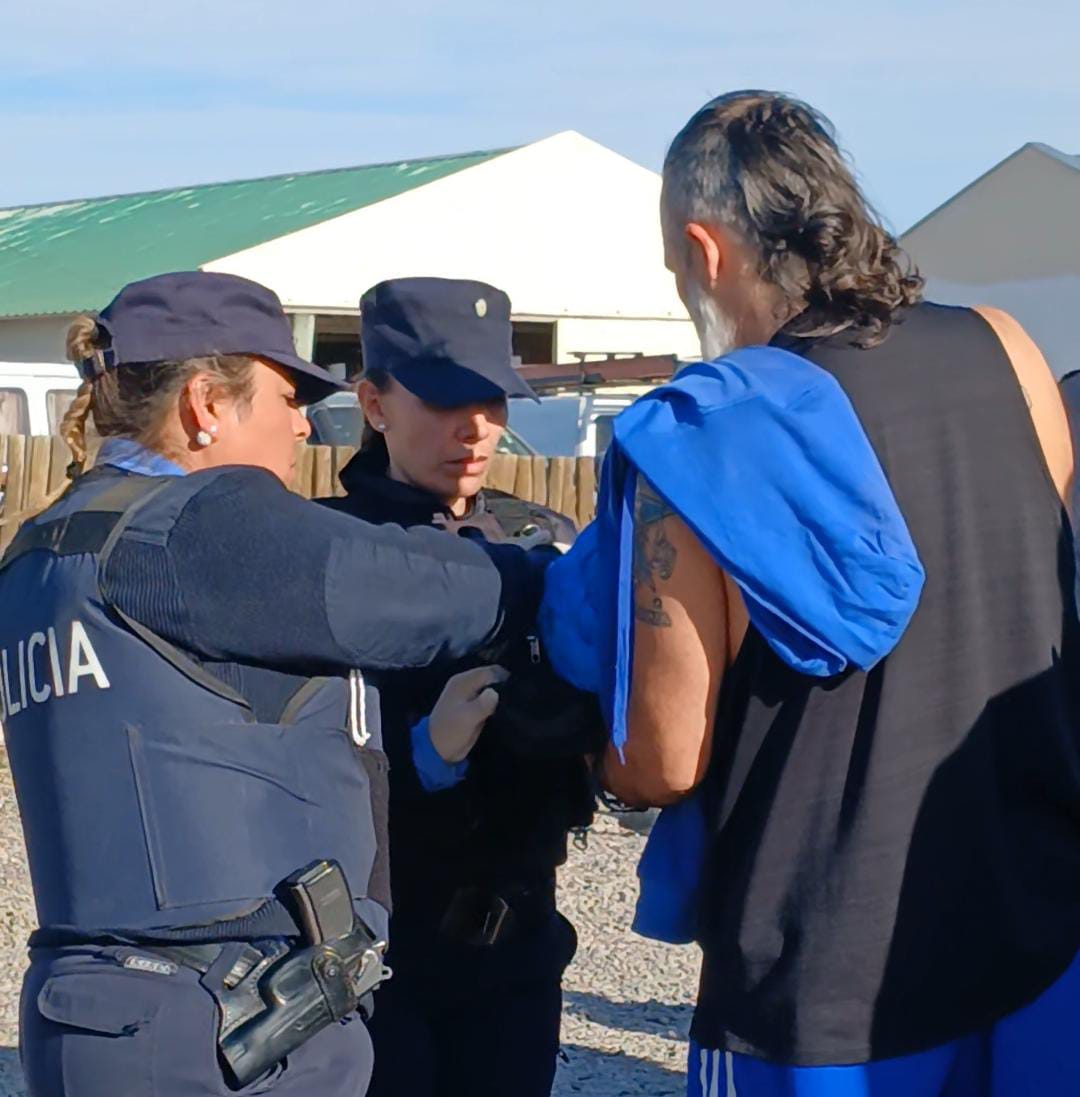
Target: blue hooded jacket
[[762, 455]]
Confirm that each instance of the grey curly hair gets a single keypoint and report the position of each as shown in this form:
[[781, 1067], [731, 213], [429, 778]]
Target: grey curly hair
[[768, 166]]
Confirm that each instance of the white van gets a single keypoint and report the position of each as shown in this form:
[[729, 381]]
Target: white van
[[35, 395], [579, 401], [573, 423]]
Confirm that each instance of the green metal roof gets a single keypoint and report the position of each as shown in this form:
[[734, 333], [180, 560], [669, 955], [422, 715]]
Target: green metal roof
[[73, 256]]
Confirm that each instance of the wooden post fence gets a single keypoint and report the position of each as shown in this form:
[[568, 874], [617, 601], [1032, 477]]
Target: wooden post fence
[[32, 468]]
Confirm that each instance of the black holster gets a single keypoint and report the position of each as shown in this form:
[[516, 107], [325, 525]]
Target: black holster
[[294, 996], [277, 994]]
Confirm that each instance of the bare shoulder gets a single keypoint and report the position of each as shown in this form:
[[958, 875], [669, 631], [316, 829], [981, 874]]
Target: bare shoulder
[[1041, 393]]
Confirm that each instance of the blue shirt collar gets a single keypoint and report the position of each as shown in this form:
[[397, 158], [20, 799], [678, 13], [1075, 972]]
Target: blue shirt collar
[[126, 453]]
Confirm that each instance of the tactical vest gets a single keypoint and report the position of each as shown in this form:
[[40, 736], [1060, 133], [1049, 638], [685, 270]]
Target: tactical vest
[[152, 800]]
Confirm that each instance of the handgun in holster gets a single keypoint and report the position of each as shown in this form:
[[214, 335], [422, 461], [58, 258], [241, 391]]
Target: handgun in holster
[[277, 998]]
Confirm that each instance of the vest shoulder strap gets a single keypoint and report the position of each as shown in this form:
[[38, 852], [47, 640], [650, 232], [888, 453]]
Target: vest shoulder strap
[[94, 528], [168, 651], [513, 514], [87, 529]]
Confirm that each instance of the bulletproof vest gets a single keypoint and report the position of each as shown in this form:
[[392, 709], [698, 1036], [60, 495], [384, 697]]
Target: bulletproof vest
[[152, 800]]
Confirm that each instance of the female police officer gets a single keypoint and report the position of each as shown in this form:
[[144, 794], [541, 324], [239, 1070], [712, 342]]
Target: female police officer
[[479, 949], [184, 727]]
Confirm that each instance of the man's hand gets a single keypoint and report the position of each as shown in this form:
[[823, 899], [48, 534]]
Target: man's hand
[[464, 706]]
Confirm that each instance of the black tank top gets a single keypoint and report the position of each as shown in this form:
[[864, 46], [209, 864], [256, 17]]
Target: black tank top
[[895, 856]]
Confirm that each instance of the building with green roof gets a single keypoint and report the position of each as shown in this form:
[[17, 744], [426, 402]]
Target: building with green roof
[[67, 257], [568, 228]]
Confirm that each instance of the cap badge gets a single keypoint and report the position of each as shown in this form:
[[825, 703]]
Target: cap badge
[[481, 307]]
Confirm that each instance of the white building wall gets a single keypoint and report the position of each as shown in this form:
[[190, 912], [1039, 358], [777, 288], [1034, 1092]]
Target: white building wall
[[1019, 222], [576, 336], [37, 339], [567, 227]]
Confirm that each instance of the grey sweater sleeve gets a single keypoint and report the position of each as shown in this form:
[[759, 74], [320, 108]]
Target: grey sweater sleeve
[[250, 572]]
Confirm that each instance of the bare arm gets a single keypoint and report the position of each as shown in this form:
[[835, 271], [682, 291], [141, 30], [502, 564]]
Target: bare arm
[[1041, 392], [689, 623]]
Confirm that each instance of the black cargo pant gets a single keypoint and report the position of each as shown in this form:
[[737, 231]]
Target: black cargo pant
[[460, 1021], [93, 1027]]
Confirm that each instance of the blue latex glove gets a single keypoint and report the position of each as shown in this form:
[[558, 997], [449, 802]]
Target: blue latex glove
[[435, 773]]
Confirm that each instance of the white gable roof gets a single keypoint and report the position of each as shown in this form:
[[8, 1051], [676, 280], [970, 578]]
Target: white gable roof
[[1033, 151], [1012, 239], [566, 226]]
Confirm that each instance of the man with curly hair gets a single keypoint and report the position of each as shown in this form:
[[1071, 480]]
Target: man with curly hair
[[889, 898]]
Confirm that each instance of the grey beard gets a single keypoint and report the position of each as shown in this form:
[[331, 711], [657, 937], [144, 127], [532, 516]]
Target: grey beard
[[717, 331]]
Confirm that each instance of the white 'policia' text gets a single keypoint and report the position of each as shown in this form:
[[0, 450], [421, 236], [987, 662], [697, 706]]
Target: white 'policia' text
[[45, 666]]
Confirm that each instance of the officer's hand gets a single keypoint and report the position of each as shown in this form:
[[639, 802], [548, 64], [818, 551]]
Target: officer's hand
[[463, 708]]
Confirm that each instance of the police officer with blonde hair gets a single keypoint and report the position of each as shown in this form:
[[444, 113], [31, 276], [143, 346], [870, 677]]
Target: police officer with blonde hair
[[196, 754]]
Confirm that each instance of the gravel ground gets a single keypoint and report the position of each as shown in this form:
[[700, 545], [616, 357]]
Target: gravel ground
[[16, 921], [627, 1001]]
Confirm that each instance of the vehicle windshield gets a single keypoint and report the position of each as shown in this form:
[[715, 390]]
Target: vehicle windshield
[[338, 421], [552, 427], [335, 424]]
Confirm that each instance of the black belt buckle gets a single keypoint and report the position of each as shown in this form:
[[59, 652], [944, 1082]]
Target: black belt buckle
[[477, 917]]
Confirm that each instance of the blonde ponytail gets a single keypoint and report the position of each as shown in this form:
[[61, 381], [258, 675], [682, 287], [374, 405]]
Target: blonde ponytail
[[80, 344], [73, 431], [132, 400], [73, 427], [83, 341]]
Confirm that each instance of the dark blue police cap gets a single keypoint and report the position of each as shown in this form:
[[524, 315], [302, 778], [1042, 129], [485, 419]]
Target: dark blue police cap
[[196, 314], [446, 340]]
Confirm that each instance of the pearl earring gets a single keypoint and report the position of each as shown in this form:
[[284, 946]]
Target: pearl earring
[[380, 427], [204, 438]]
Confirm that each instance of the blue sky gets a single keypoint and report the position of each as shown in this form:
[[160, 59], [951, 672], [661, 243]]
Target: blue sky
[[132, 94]]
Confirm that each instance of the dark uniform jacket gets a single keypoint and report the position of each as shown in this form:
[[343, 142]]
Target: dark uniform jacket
[[504, 827]]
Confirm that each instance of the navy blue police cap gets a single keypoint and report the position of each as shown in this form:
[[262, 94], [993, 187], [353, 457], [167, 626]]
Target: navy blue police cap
[[197, 314], [447, 340]]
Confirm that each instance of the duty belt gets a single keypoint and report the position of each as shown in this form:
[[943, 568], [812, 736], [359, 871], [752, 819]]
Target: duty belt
[[482, 916], [275, 996]]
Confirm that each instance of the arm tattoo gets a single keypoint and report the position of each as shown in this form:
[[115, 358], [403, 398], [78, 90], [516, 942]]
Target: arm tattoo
[[654, 556]]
